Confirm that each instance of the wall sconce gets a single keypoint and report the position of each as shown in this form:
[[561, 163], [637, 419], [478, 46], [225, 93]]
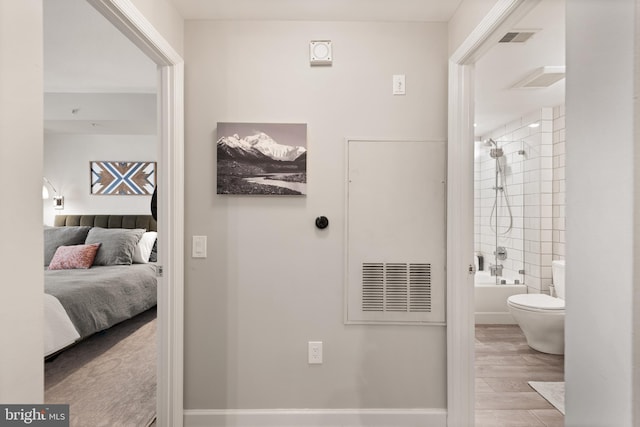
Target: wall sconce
[[58, 201]]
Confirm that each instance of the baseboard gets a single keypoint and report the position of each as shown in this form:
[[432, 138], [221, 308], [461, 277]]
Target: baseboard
[[316, 418], [495, 318]]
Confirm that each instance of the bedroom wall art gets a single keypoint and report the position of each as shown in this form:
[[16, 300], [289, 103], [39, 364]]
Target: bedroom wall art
[[123, 178], [262, 158]]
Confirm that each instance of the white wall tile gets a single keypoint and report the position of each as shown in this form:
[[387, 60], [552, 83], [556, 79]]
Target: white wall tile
[[535, 185]]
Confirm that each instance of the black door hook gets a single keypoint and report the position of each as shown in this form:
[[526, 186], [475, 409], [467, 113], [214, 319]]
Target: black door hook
[[322, 222]]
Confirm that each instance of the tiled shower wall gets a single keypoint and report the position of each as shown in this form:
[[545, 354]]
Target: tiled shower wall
[[533, 165], [559, 188], [486, 219]]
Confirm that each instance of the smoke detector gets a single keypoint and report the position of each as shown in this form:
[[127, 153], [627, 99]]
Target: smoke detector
[[541, 78]]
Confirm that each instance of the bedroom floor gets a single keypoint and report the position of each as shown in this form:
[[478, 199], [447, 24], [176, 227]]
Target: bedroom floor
[[504, 366], [109, 378]]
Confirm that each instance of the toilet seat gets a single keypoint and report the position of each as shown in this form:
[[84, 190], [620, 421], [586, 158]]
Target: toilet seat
[[536, 302]]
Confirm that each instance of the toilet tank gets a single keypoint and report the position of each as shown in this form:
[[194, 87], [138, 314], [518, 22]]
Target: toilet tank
[[558, 276]]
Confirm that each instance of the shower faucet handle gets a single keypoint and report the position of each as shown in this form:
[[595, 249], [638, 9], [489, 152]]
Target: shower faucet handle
[[500, 253]]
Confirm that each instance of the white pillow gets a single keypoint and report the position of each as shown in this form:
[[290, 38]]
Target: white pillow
[[143, 249]]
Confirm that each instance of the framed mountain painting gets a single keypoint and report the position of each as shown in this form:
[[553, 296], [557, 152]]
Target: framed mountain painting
[[262, 158]]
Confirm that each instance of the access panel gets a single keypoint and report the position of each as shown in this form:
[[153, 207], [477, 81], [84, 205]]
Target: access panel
[[396, 231]]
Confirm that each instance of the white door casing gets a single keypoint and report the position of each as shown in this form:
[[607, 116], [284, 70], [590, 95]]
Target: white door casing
[[128, 19], [460, 207]]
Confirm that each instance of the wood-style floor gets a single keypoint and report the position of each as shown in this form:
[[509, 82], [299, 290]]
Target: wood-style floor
[[504, 366]]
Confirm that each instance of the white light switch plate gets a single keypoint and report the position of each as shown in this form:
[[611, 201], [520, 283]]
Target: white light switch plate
[[399, 87], [199, 249]]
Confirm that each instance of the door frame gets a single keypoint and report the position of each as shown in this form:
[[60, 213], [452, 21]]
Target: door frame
[[128, 19], [460, 207]]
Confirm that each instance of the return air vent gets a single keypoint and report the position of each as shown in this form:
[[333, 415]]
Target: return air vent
[[516, 37], [396, 287]]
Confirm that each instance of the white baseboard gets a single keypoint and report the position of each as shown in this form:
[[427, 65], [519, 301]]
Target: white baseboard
[[316, 418], [495, 318]]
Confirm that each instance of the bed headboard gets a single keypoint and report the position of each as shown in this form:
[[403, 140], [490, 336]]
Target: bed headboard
[[107, 221]]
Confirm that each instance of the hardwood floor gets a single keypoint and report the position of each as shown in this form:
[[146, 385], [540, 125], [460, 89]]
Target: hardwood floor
[[504, 366]]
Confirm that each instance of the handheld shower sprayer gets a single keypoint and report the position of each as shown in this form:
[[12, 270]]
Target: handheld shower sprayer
[[500, 187]]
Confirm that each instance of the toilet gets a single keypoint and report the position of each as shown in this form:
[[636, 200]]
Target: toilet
[[540, 316]]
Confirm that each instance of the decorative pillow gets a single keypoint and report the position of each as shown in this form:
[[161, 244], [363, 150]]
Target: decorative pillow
[[118, 244], [143, 248], [62, 236], [77, 256]]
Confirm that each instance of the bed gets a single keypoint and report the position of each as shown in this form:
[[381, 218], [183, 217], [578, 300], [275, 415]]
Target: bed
[[97, 273]]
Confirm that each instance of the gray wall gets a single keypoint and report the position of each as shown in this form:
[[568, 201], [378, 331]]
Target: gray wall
[[272, 282], [164, 17], [600, 216], [21, 315], [66, 165]]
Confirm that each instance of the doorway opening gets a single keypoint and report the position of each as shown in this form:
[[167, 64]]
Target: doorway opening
[[169, 81], [501, 19]]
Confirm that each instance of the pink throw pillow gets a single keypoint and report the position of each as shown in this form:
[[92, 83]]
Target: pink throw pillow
[[77, 256]]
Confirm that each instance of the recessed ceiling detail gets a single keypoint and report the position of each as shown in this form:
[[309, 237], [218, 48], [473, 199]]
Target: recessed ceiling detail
[[541, 78], [517, 36]]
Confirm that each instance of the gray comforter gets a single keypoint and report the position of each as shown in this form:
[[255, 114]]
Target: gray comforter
[[99, 297]]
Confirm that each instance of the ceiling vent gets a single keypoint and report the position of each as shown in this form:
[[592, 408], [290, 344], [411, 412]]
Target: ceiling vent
[[517, 36], [541, 78]]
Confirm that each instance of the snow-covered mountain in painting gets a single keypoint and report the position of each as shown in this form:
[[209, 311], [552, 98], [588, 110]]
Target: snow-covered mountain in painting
[[256, 147]]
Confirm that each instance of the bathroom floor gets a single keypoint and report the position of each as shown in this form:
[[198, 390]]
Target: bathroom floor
[[504, 366]]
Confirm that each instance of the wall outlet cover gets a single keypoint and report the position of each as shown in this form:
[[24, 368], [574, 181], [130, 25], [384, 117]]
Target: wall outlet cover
[[315, 352]]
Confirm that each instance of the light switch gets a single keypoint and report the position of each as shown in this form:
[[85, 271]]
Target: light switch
[[199, 249], [399, 84]]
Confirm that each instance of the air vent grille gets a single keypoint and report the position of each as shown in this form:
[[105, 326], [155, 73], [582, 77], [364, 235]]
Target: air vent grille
[[396, 287], [541, 77], [516, 37], [420, 288], [373, 287]]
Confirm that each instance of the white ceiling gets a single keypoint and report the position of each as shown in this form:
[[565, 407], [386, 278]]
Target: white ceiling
[[85, 54], [93, 74], [320, 10], [508, 63]]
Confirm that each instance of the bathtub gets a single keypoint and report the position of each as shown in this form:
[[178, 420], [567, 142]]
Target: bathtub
[[491, 299]]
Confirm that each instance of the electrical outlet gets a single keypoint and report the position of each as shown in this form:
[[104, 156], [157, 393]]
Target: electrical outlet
[[315, 352]]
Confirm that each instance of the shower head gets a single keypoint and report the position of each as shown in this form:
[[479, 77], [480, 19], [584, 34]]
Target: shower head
[[489, 142], [495, 151]]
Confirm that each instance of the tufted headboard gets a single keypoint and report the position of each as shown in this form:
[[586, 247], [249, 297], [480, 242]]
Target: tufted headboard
[[107, 221]]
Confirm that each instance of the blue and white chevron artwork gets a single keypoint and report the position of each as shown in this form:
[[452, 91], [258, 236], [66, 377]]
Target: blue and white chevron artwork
[[123, 178]]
